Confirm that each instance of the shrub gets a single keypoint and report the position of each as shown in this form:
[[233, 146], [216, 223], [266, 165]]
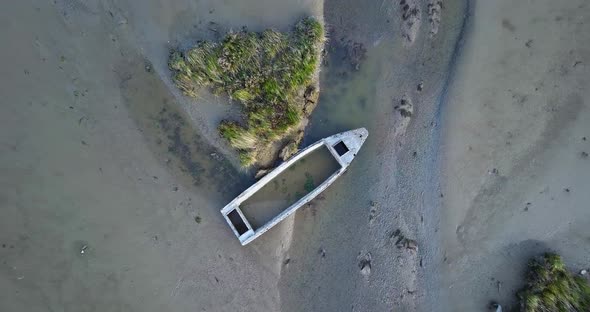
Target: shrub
[[550, 287], [264, 72]]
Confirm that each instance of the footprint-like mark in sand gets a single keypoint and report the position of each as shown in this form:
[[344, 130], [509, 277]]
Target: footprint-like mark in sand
[[411, 20]]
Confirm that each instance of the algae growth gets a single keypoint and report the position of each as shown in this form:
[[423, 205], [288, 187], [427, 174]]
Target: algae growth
[[269, 73]]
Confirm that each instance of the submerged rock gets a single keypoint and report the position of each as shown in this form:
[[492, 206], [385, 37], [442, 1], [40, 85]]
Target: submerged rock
[[292, 147]]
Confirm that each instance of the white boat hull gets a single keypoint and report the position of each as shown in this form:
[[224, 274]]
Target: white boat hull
[[343, 146]]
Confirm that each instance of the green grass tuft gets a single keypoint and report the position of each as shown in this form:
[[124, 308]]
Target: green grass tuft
[[550, 287], [265, 72]]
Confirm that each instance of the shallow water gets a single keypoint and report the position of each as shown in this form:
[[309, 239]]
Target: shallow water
[[288, 187]]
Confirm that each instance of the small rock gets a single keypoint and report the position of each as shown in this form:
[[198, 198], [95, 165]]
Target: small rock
[[355, 54], [420, 86], [292, 147], [395, 233], [261, 173], [365, 265], [287, 261], [322, 252], [584, 155], [83, 249], [584, 272], [494, 171], [175, 189], [198, 219], [567, 190], [411, 244], [405, 107], [148, 66]]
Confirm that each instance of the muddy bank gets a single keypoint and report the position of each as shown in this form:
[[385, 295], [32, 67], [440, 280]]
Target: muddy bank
[[369, 243], [96, 155], [513, 144]]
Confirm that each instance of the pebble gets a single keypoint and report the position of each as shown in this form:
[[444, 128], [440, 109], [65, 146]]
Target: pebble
[[365, 265]]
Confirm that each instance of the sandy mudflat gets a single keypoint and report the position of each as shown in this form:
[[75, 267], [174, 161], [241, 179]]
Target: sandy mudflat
[[97, 151], [478, 129], [515, 181]]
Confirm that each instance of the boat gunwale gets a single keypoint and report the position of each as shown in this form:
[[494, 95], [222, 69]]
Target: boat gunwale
[[252, 233]]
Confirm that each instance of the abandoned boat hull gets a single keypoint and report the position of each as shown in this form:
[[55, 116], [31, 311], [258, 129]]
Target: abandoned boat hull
[[343, 146]]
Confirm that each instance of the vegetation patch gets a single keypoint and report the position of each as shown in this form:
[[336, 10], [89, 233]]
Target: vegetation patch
[[267, 73], [550, 287]]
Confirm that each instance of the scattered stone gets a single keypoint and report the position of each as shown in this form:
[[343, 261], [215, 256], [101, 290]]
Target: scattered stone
[[216, 156], [403, 242], [434, 8], [495, 306], [289, 150], [83, 249], [322, 252], [411, 244], [584, 139], [410, 20], [175, 189], [395, 233], [405, 107], [292, 147], [261, 173], [508, 25], [198, 219], [584, 155], [287, 261], [567, 190], [494, 171], [365, 265], [310, 96], [420, 86], [529, 43], [148, 66], [355, 54], [83, 142]]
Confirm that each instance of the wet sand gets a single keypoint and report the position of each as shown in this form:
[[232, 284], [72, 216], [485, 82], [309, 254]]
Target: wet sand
[[514, 177], [97, 154], [478, 129]]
